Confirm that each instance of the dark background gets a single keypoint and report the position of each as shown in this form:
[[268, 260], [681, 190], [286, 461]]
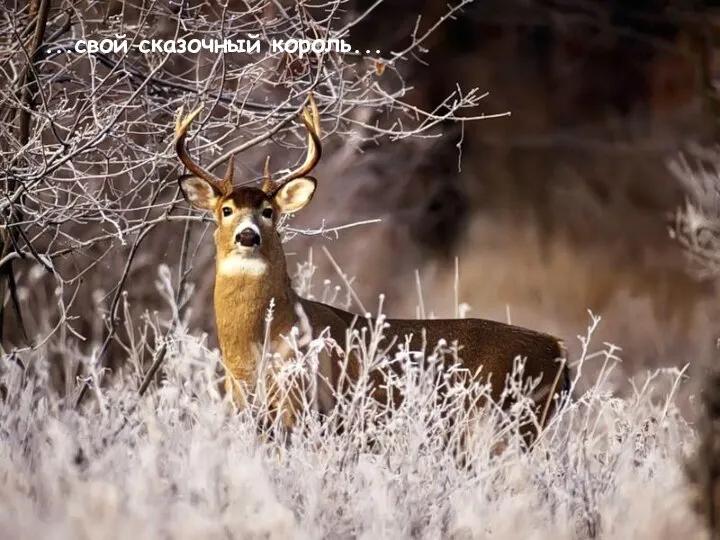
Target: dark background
[[562, 207]]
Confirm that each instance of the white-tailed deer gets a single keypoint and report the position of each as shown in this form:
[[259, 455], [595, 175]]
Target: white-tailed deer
[[251, 271]]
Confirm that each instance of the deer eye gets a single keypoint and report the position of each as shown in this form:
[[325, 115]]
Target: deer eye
[[226, 211], [267, 212]]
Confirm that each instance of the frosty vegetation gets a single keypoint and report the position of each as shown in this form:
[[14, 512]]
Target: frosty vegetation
[[90, 200], [174, 464]]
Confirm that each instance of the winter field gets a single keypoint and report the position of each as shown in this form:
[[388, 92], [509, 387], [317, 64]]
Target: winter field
[[174, 464], [511, 136]]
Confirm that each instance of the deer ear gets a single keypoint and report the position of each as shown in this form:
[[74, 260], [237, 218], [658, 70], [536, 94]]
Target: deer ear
[[199, 193], [295, 194]]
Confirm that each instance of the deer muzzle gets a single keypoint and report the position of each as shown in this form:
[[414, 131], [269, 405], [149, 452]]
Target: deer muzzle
[[247, 235]]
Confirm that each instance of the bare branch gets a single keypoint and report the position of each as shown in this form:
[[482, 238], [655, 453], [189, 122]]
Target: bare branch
[[91, 170]]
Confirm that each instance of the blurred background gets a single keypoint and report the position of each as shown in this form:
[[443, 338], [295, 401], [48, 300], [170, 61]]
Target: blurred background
[[564, 205], [567, 205]]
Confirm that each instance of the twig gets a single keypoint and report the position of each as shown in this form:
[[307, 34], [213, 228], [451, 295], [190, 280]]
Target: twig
[[345, 280]]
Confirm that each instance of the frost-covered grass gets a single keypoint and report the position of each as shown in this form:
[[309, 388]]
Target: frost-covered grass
[[174, 464]]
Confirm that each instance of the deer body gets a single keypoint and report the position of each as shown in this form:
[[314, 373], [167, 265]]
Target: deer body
[[251, 272], [242, 304]]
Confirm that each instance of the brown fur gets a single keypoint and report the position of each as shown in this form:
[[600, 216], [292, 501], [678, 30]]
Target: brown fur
[[242, 297], [489, 349], [241, 304]]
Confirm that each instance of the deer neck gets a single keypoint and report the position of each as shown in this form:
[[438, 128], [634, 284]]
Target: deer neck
[[241, 308]]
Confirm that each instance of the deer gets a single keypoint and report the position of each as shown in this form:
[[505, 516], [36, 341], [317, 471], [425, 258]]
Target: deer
[[251, 273]]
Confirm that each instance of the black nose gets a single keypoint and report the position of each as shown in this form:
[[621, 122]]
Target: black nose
[[247, 238]]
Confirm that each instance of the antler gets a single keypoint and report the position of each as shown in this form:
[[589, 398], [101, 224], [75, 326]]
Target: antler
[[314, 151], [181, 129]]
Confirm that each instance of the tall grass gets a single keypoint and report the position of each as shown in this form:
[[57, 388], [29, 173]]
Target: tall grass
[[175, 463]]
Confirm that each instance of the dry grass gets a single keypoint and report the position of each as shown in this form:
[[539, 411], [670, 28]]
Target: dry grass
[[173, 464]]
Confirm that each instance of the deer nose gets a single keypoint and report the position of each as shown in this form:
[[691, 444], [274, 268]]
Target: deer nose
[[248, 237]]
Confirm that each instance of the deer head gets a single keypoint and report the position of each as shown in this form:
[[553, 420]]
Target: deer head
[[246, 237]]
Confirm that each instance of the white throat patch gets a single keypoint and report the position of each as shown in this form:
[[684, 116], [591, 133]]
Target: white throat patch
[[241, 265]]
